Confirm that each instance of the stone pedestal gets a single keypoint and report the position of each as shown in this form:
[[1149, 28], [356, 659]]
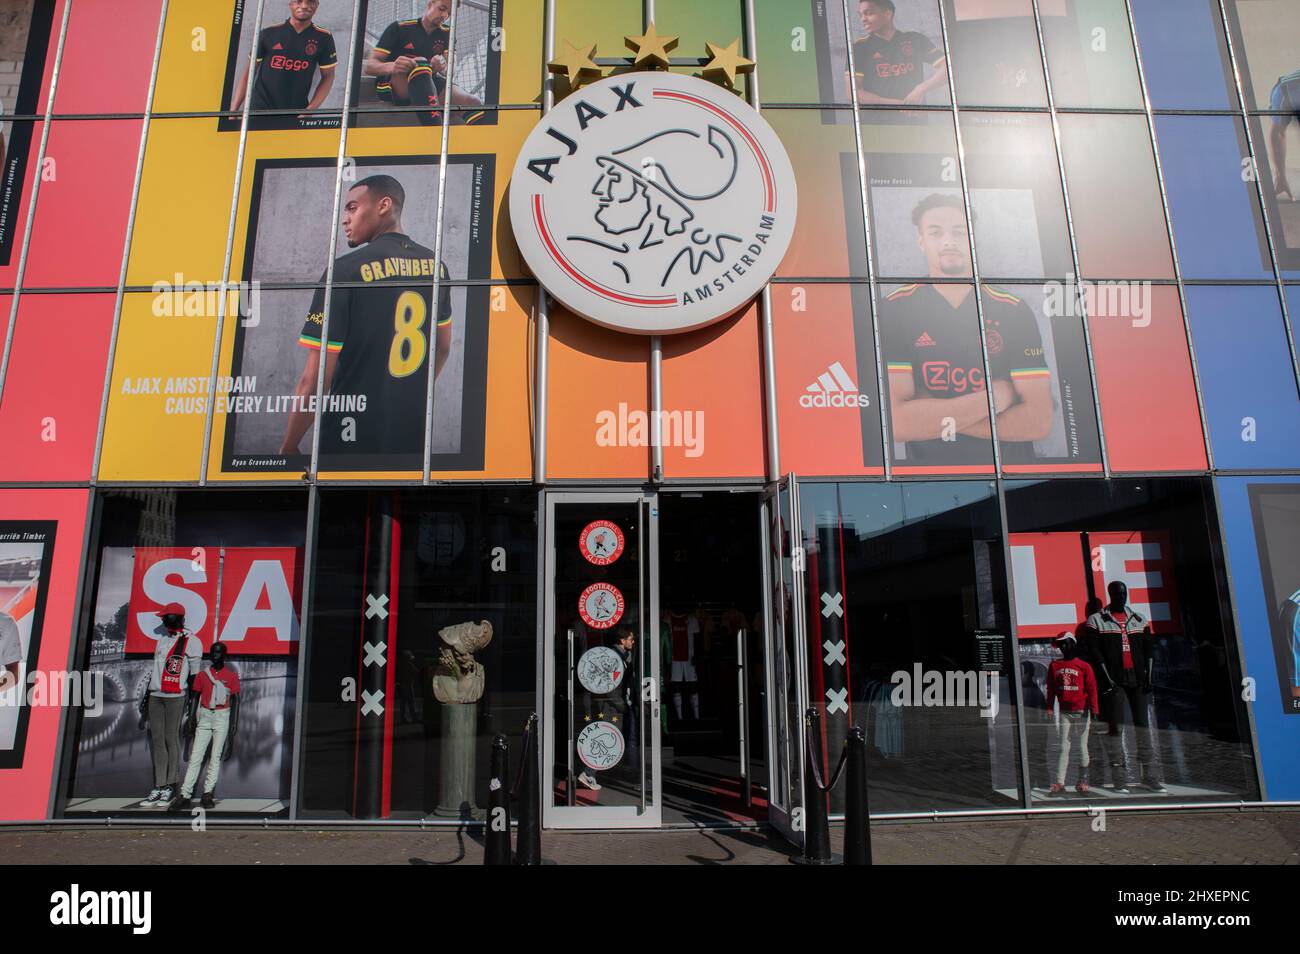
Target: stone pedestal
[[456, 762]]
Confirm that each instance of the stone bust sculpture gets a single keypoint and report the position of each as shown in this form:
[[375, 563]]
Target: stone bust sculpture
[[459, 677]]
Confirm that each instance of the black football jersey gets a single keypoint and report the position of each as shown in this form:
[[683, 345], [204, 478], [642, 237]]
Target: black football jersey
[[382, 332], [892, 68], [922, 335], [409, 38], [286, 65]]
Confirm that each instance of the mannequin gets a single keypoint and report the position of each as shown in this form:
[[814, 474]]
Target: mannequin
[[176, 658], [1119, 649], [213, 722], [1071, 683]]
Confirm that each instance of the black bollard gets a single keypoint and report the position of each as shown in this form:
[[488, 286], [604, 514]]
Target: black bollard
[[817, 832], [530, 810], [496, 843], [857, 821]]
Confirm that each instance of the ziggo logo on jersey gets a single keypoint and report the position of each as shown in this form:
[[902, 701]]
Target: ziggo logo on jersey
[[282, 62], [942, 376]]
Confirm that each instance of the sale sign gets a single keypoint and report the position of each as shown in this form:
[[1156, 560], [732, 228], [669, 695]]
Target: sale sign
[[1144, 561], [1051, 584], [246, 597]]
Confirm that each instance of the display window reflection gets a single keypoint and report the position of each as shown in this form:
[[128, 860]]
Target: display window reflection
[[1127, 661]]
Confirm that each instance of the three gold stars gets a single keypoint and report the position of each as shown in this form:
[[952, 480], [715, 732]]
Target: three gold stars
[[651, 51], [725, 62]]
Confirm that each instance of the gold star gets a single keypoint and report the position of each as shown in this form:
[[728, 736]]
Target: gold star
[[651, 48], [725, 62], [575, 64]]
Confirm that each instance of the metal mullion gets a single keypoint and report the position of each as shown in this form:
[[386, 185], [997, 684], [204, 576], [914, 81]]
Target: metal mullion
[[1259, 191], [297, 753], [36, 191], [542, 333], [881, 382], [120, 294], [431, 350], [230, 245], [970, 236], [1169, 230], [1074, 245], [766, 326], [339, 159], [656, 345]]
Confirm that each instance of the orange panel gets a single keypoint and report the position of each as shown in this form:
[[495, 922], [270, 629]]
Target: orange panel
[[597, 402], [713, 400]]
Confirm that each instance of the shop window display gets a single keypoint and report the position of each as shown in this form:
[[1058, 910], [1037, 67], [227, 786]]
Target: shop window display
[[1125, 645]]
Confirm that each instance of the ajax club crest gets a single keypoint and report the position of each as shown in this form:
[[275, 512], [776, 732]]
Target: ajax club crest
[[653, 202]]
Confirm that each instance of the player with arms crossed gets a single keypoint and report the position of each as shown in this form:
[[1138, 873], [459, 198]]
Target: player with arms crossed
[[288, 56], [936, 372], [1285, 101], [378, 334], [410, 63], [891, 63]]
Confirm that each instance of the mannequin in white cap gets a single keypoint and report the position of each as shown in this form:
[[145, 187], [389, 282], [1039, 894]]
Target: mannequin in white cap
[[176, 660], [1072, 683]]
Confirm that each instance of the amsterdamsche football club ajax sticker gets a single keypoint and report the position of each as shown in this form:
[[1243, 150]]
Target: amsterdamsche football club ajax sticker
[[652, 202], [601, 542], [600, 670], [601, 605], [600, 745]]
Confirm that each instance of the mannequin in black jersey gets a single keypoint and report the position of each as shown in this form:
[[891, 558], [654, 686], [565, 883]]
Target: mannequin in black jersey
[[1119, 647], [929, 334]]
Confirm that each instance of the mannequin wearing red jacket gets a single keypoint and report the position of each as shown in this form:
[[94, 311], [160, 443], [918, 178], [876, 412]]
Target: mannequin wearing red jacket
[[1072, 683]]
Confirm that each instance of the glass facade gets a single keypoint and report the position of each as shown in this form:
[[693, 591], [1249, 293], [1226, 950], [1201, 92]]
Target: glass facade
[[1035, 335]]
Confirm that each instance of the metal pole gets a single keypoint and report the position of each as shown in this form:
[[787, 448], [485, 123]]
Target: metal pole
[[571, 795]]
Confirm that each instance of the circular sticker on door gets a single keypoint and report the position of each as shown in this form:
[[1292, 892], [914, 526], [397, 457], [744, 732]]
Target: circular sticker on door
[[600, 745], [601, 605], [601, 542], [600, 670]]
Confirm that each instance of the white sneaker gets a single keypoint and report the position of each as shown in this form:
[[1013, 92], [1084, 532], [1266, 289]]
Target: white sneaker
[[588, 781], [154, 798]]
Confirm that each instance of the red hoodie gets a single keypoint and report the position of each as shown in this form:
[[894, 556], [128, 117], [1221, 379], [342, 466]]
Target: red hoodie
[[1072, 681]]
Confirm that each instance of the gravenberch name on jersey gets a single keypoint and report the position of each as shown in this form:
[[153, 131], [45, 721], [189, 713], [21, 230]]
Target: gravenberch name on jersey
[[77, 907]]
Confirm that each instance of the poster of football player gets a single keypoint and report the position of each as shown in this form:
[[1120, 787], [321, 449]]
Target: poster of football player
[[1275, 513], [296, 60], [898, 57], [1264, 31], [24, 39], [384, 326], [26, 549], [403, 56]]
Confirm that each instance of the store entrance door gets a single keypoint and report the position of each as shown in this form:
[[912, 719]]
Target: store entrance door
[[600, 665]]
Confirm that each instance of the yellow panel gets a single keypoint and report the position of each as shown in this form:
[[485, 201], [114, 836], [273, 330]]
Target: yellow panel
[[156, 411]]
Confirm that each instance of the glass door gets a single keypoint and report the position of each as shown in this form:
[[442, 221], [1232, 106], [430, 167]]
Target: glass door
[[783, 626], [601, 666]]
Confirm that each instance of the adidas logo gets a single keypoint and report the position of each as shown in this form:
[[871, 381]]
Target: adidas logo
[[925, 341], [410, 46], [277, 47], [834, 388]]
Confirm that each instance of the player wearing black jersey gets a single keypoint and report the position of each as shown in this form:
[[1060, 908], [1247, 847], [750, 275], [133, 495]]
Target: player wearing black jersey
[[375, 371], [936, 372], [409, 63], [288, 56], [890, 63]]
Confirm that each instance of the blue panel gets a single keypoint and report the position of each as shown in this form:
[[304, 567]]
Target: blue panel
[[1255, 536], [1217, 222], [1183, 54], [1245, 372], [1293, 309]]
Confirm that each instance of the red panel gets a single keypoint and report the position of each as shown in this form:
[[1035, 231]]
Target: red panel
[[25, 788], [1144, 560], [1050, 578], [130, 31], [1144, 377], [86, 193], [713, 401], [49, 411], [821, 433]]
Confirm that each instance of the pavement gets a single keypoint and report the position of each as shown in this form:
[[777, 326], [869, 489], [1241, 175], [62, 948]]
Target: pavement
[[1265, 837]]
